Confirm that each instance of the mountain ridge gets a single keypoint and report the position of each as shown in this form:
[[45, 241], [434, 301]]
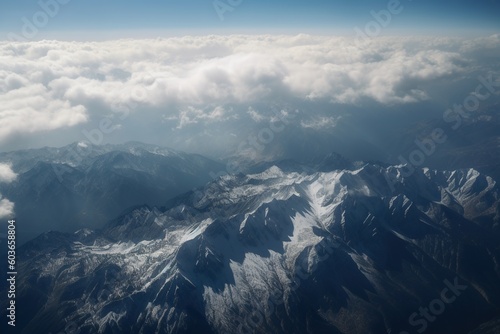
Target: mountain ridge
[[284, 252], [85, 186]]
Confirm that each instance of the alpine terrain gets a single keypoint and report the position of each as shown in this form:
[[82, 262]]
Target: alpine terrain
[[83, 185], [334, 248]]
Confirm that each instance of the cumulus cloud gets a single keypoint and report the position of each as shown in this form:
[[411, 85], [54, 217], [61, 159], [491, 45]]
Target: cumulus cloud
[[7, 175], [6, 208], [33, 108], [48, 85]]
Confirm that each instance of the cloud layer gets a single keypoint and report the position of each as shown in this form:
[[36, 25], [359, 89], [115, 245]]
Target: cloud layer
[[50, 85]]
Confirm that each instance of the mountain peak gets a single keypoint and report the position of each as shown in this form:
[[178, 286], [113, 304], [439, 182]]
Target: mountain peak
[[286, 245]]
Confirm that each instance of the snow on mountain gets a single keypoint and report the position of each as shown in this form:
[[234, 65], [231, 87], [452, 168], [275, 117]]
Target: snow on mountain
[[338, 251]]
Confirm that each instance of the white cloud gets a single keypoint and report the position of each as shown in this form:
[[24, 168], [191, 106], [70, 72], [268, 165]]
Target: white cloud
[[7, 175], [193, 115], [47, 85], [6, 208], [255, 115], [33, 108], [320, 123]]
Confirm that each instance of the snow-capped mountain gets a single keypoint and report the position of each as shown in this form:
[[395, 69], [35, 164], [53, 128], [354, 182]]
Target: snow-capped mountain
[[361, 250], [83, 185]]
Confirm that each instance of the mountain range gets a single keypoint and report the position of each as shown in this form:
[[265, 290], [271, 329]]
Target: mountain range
[[84, 186], [333, 247]]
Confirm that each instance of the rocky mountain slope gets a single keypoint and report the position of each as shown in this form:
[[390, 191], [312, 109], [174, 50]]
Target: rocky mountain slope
[[362, 250]]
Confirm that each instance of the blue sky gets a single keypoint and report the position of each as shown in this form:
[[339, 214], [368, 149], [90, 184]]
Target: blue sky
[[85, 17]]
